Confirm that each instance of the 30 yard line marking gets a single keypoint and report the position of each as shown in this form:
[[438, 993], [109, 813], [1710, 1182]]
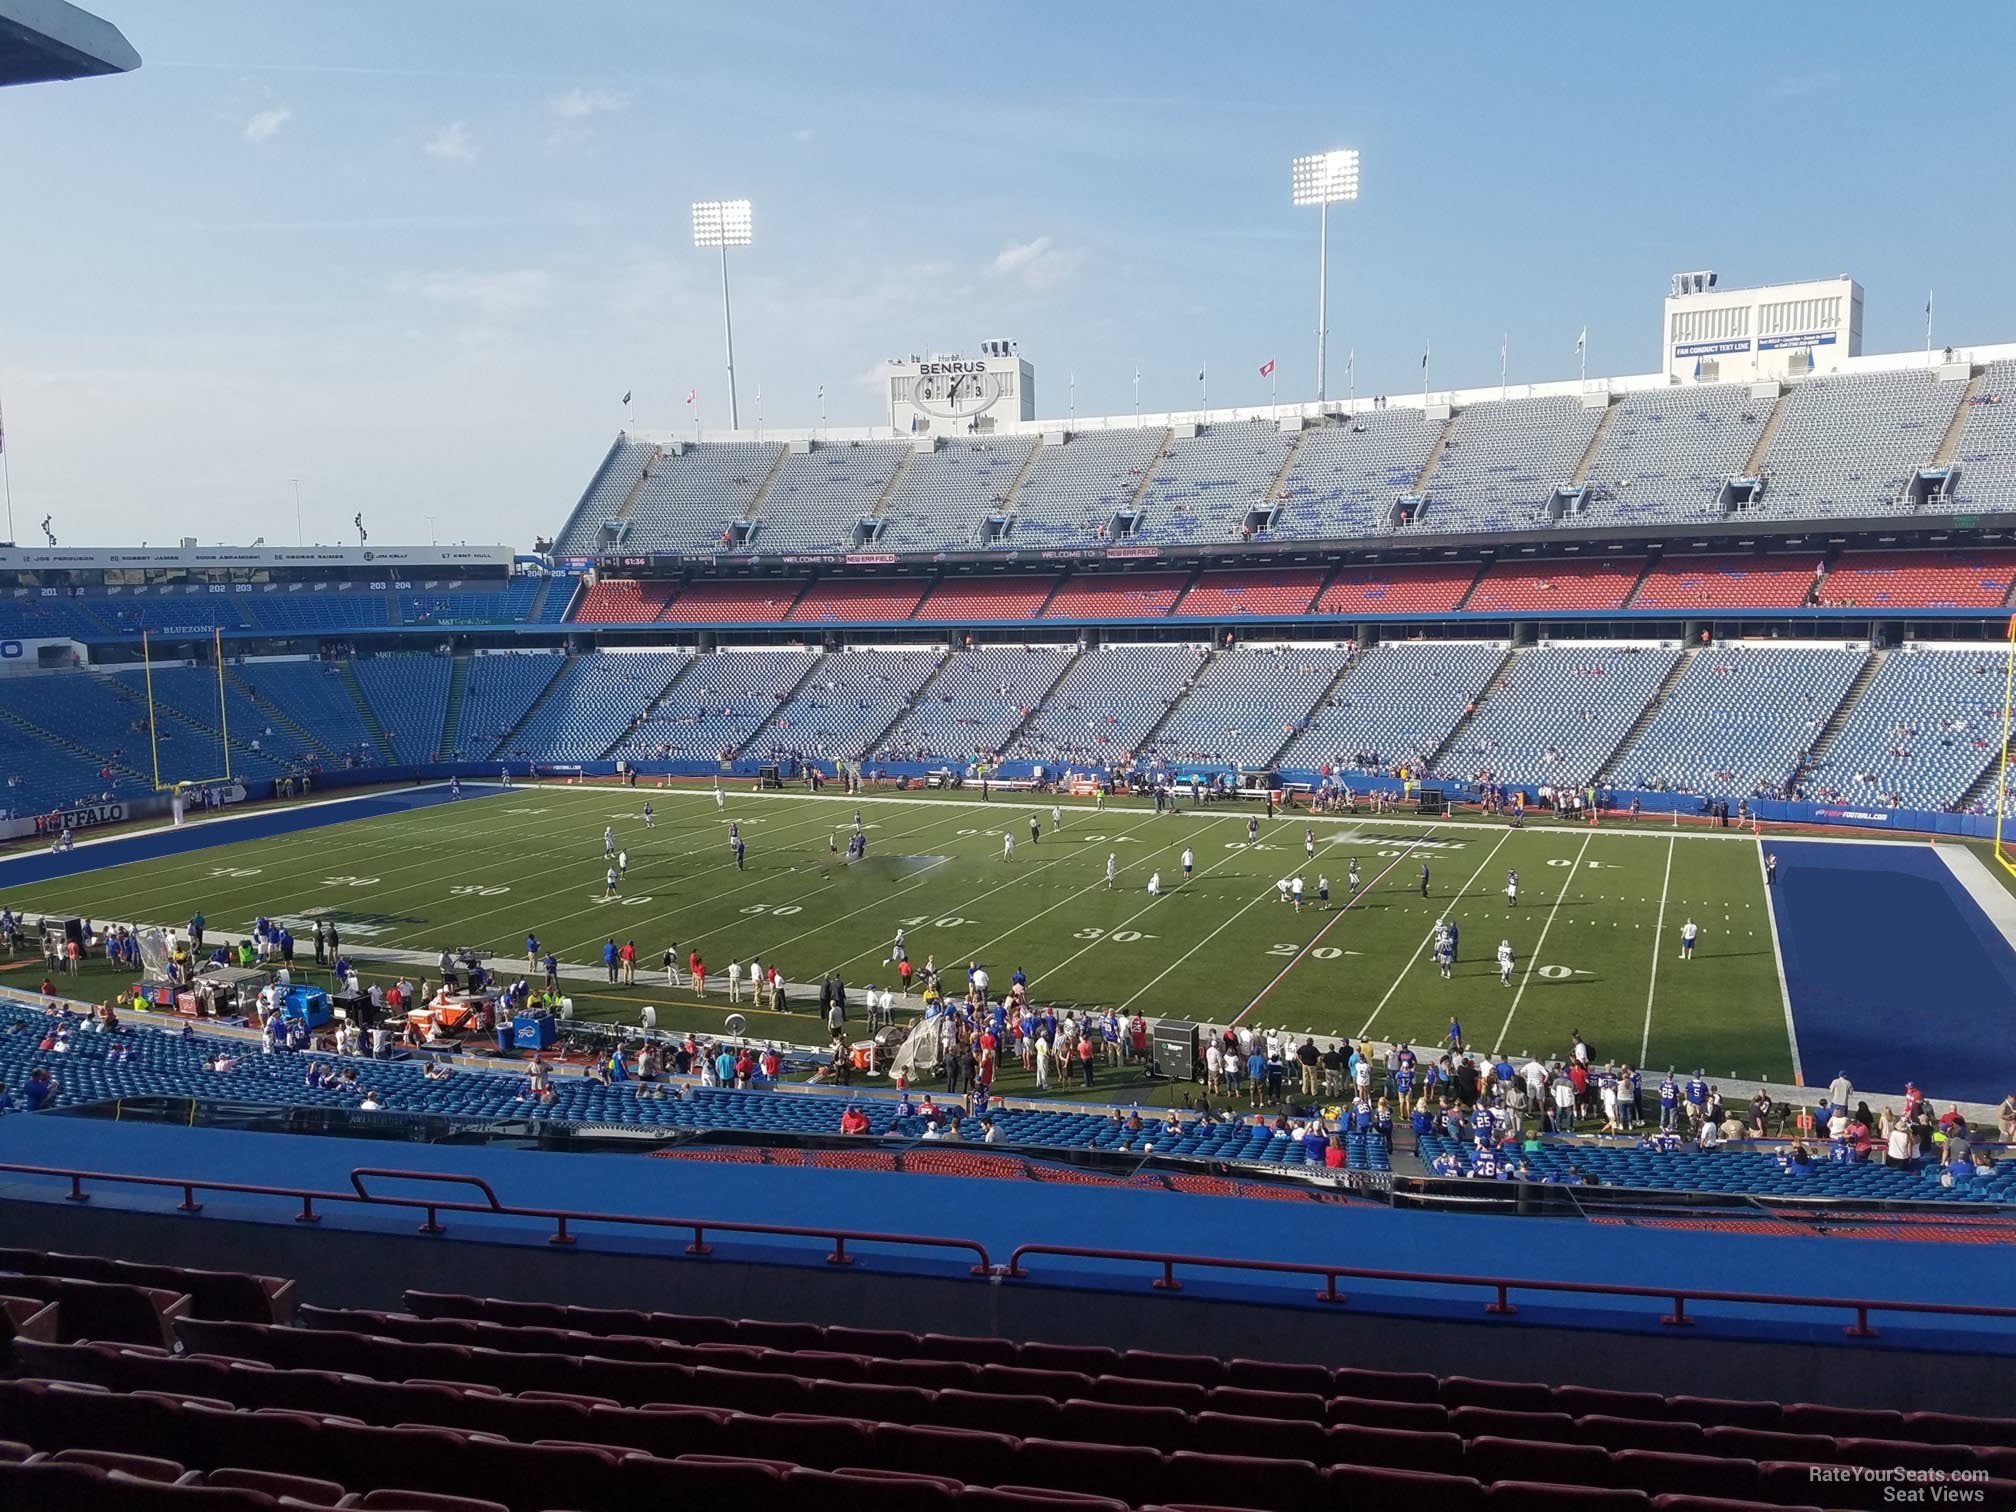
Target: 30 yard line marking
[[1541, 943], [1414, 955], [1658, 934], [1778, 954]]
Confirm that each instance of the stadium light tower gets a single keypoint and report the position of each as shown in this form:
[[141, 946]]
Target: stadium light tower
[[724, 224], [1322, 179]]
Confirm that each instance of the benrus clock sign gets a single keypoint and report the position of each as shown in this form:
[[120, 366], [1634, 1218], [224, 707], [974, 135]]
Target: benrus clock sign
[[958, 390]]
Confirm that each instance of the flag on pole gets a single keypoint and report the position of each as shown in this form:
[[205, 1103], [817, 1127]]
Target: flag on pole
[[691, 395], [1267, 368], [1582, 341], [1200, 375], [626, 396]]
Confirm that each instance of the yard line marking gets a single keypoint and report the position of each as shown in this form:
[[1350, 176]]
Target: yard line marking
[[1230, 855], [1658, 934], [1414, 955], [1534, 964], [1020, 925], [1272, 891], [1778, 954], [1317, 939]]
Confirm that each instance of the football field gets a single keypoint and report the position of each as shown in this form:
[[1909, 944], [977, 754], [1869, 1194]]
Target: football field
[[1595, 932]]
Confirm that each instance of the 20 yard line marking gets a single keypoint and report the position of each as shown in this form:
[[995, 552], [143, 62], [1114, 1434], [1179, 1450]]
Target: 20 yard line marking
[[1658, 934], [1541, 944]]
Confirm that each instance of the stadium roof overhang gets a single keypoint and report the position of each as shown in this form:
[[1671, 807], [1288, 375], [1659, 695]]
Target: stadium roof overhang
[[45, 40]]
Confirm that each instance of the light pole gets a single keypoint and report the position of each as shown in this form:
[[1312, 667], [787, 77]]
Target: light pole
[[1322, 179], [299, 538], [724, 224]]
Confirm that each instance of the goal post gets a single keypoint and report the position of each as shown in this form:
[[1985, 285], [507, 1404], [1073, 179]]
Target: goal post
[[2005, 802], [175, 780]]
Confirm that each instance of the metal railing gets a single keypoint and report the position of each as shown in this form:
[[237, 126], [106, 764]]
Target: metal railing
[[490, 1206], [1501, 1287], [1166, 1265]]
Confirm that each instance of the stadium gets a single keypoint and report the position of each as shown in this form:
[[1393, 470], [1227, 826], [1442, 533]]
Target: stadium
[[1465, 938]]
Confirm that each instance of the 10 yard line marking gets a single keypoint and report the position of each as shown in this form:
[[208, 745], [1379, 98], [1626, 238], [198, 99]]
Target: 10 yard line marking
[[1778, 953], [1658, 934], [1527, 980]]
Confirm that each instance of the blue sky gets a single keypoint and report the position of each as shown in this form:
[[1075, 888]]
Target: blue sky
[[413, 252]]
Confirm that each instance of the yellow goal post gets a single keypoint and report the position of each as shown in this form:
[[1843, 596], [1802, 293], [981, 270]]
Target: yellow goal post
[[174, 783]]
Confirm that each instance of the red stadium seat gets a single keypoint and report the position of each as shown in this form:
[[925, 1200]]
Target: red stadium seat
[[1137, 595], [1727, 582], [858, 601], [1425, 589], [972, 601], [1237, 595], [1522, 587], [1919, 579], [731, 603]]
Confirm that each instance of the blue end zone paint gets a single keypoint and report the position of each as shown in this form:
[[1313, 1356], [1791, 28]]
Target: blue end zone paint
[[1893, 971], [44, 866]]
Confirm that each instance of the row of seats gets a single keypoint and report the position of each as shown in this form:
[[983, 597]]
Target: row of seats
[[1844, 446], [1905, 580], [1144, 1452], [282, 608]]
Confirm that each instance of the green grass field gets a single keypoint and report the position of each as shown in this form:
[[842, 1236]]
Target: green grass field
[[1595, 933]]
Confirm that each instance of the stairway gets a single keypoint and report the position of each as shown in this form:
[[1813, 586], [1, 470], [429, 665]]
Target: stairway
[[1950, 442], [393, 614], [1274, 487], [1147, 740], [1755, 461], [309, 741], [917, 700], [124, 769], [1455, 736], [629, 504], [1607, 771], [1435, 456], [769, 482], [1008, 743], [1824, 741], [1984, 787], [1148, 472], [1581, 473], [1007, 504], [451, 709], [347, 675], [882, 499], [538, 605], [1322, 701], [565, 663]]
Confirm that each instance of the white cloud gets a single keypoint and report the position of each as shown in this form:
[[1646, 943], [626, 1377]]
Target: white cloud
[[455, 142], [265, 125], [1040, 265], [492, 296], [576, 104]]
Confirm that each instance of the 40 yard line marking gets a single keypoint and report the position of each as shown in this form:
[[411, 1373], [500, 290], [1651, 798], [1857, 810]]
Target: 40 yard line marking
[[1539, 945], [1414, 955], [1658, 934]]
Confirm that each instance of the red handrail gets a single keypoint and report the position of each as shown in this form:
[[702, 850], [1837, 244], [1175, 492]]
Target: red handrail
[[559, 1217], [1502, 1286]]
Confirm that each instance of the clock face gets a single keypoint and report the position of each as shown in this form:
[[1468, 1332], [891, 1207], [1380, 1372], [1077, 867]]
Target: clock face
[[957, 395]]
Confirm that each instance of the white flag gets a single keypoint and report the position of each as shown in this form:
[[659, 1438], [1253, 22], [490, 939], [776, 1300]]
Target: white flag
[[1582, 341]]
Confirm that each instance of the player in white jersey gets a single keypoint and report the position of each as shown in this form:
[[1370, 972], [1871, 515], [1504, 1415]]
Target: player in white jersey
[[650, 818], [608, 840], [1295, 888], [609, 884], [1056, 817], [1281, 889], [622, 863], [1112, 866], [1687, 934], [1189, 862], [1007, 847], [1505, 962], [1309, 843], [1352, 876], [1512, 888], [720, 798], [1155, 884]]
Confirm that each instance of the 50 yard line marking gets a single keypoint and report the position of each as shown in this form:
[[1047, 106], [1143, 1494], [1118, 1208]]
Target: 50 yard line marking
[[1540, 944], [1658, 934]]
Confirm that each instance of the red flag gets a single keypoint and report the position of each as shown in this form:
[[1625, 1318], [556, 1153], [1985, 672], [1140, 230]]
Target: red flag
[[1267, 368], [691, 395]]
